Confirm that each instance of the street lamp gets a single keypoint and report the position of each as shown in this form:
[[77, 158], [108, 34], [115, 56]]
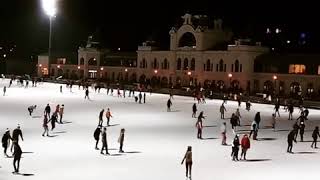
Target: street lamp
[[275, 81], [155, 71], [126, 70], [49, 7], [230, 76]]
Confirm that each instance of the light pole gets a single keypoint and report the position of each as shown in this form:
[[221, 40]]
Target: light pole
[[49, 7], [230, 76], [275, 83]]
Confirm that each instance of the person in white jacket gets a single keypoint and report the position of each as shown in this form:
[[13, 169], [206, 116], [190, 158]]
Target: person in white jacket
[[224, 133]]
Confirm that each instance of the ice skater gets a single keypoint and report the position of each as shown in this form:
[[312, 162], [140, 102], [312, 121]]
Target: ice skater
[[296, 130], [301, 132], [4, 90], [144, 97], [31, 109], [101, 117], [6, 138], [121, 140], [248, 105], [234, 123], [87, 94], [96, 136], [45, 126], [224, 133], [254, 130], [290, 140], [222, 110], [245, 145], [61, 112], [257, 119], [169, 104], [188, 158], [276, 108], [47, 111], [104, 141], [194, 110], [16, 133], [273, 122], [237, 113], [57, 109], [140, 97], [108, 116], [290, 109], [315, 135], [306, 113], [60, 88], [235, 148], [16, 157], [54, 119], [199, 128]]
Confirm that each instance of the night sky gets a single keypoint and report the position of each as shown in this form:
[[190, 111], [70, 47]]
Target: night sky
[[127, 25]]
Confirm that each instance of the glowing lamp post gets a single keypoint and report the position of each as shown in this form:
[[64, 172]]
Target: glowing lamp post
[[156, 71], [126, 70], [49, 7], [78, 67], [275, 82], [230, 77]]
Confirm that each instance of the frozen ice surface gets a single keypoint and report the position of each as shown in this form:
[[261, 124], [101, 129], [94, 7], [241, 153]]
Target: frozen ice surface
[[156, 139]]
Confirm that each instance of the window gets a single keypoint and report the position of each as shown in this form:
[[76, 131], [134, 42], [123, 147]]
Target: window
[[240, 67], [143, 63], [45, 71], [179, 64], [231, 67], [165, 64], [193, 64], [155, 63], [208, 65], [185, 64], [297, 69], [236, 66], [217, 68], [82, 61], [221, 65]]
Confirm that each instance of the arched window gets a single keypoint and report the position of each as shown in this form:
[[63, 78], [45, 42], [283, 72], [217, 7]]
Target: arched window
[[179, 64], [208, 65], [185, 64], [221, 65], [165, 64], [193, 64], [236, 66], [155, 63], [187, 40]]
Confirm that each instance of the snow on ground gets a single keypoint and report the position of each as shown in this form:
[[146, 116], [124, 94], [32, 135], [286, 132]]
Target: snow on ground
[[155, 140]]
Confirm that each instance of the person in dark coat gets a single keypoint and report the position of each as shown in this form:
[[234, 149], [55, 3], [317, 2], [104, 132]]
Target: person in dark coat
[[222, 110], [16, 157], [101, 117], [315, 135], [140, 97], [277, 107], [96, 136], [31, 109], [199, 128], [60, 88], [121, 140], [257, 119], [47, 111], [144, 98], [233, 122], [290, 140], [290, 109], [169, 104], [194, 110], [86, 94], [6, 141], [235, 148], [16, 133], [54, 119], [104, 141], [306, 113], [302, 127]]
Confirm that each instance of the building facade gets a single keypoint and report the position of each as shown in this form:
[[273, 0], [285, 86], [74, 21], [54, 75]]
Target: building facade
[[199, 55]]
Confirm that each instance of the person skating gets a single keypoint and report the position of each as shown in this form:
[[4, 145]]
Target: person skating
[[144, 97], [4, 90], [16, 133], [276, 108], [248, 105], [96, 136], [108, 116], [188, 158], [257, 119], [254, 130], [235, 148], [224, 133], [169, 104], [296, 130], [222, 110], [16, 157], [47, 111], [27, 84], [31, 109], [6, 141], [57, 109], [301, 118], [45, 126], [290, 109], [54, 119], [273, 123], [306, 113], [290, 140], [199, 128], [315, 135], [245, 145], [301, 132], [121, 140], [101, 117], [239, 101], [10, 83], [60, 88], [239, 116], [104, 141], [194, 110], [118, 92], [86, 94], [234, 122], [140, 97], [200, 117], [61, 112]]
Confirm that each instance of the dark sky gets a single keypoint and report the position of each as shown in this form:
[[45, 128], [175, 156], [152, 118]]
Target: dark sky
[[125, 25]]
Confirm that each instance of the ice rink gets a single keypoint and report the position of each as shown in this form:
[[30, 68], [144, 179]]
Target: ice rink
[[155, 140]]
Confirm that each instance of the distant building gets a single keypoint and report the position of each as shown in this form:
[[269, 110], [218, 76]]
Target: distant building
[[199, 55]]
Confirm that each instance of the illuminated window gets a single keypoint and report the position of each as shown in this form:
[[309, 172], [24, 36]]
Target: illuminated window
[[297, 68], [45, 71]]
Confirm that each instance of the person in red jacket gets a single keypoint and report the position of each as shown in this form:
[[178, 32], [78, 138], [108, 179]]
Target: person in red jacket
[[245, 145]]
